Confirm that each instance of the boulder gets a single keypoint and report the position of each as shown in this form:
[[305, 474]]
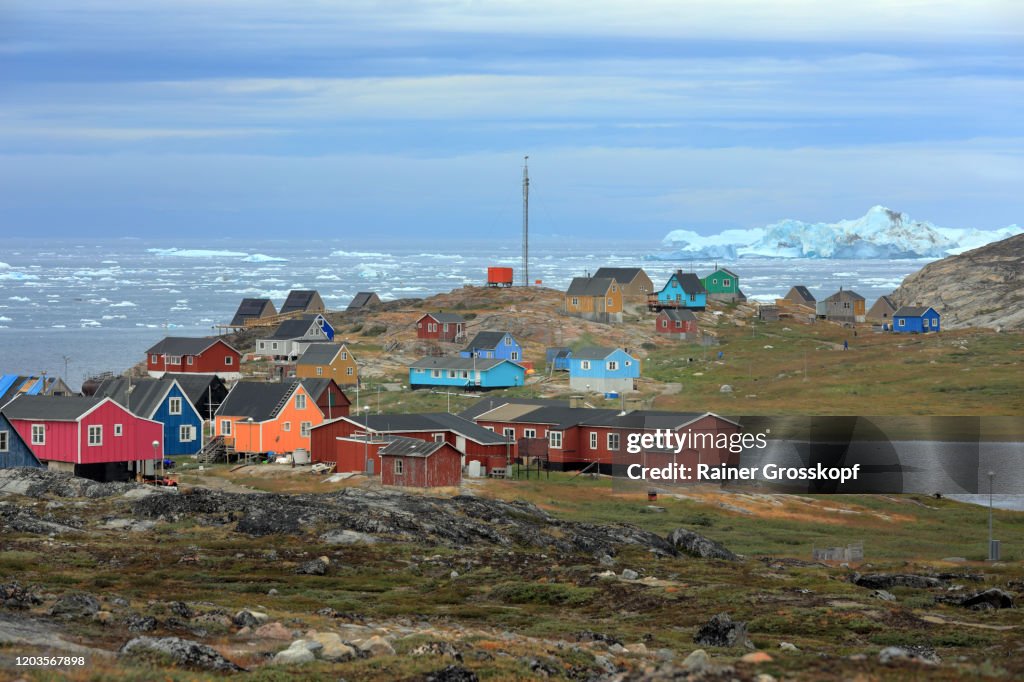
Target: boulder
[[630, 574], [73, 606], [993, 598], [296, 654], [697, 662], [695, 544], [438, 648], [915, 654], [722, 631], [317, 566], [182, 652], [14, 596], [347, 537], [333, 649], [884, 595], [272, 631], [884, 581], [452, 673], [249, 618], [376, 646]]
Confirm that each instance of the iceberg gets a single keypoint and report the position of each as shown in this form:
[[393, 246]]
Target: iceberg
[[880, 233], [197, 253], [263, 258]]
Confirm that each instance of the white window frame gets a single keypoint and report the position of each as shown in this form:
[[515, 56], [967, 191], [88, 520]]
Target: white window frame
[[726, 282], [349, 371], [174, 405], [529, 433], [319, 371], [191, 359], [5, 441], [154, 359], [902, 322], [225, 427], [39, 434], [435, 374], [286, 426], [186, 433], [575, 301], [344, 355], [95, 435], [555, 440], [300, 401], [509, 433], [305, 428], [514, 355], [273, 345], [613, 365], [399, 466], [118, 430], [508, 340], [228, 360], [613, 437], [593, 440], [173, 359], [584, 364], [451, 374]]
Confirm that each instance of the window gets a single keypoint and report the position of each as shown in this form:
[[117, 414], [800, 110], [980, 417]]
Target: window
[[555, 439], [344, 355], [679, 323], [186, 433], [490, 428], [300, 401], [508, 340], [584, 364], [95, 435], [191, 359], [510, 433], [445, 327], [514, 355], [348, 371], [319, 371], [273, 346], [286, 426], [902, 322], [225, 427], [614, 289], [174, 406], [465, 374], [304, 429], [399, 466], [438, 437], [118, 429], [664, 324], [173, 359], [435, 373], [693, 297], [726, 282], [451, 374], [529, 433], [154, 359], [611, 301], [229, 360], [935, 323], [612, 365], [593, 440], [5, 440], [575, 301], [38, 434], [613, 441]]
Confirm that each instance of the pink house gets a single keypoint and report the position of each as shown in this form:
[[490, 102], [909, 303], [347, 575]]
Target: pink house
[[90, 437]]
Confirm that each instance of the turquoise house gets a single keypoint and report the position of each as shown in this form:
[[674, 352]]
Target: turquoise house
[[465, 373], [683, 290], [603, 370]]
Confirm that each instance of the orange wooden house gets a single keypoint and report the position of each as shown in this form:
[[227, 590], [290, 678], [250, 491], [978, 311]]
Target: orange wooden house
[[259, 417], [594, 298]]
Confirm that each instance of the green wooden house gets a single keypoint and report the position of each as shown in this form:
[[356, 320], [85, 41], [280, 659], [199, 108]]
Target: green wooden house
[[724, 285]]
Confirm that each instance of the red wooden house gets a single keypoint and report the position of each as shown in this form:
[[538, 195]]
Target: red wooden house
[[441, 327], [208, 355], [676, 322], [352, 443], [90, 437], [328, 396], [414, 463]]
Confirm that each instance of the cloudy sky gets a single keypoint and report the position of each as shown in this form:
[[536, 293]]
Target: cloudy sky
[[247, 117]]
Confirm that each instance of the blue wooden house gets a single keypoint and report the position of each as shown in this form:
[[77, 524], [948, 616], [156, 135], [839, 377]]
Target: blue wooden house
[[164, 401], [558, 358], [14, 451], [465, 373], [915, 320], [497, 345], [603, 370], [683, 290]]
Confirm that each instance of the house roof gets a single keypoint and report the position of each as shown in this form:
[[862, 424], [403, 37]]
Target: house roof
[[679, 315], [803, 292], [195, 386], [593, 353], [139, 396], [912, 311], [13, 385], [646, 419], [429, 421], [485, 405], [488, 340], [295, 328], [445, 318], [887, 301], [320, 354], [690, 283], [299, 299], [410, 447], [181, 345], [559, 417], [845, 293], [620, 275], [726, 271], [482, 364], [257, 399], [362, 299], [589, 286], [250, 308], [558, 352], [316, 386], [50, 408]]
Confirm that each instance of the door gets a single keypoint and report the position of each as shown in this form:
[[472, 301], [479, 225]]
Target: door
[[369, 467]]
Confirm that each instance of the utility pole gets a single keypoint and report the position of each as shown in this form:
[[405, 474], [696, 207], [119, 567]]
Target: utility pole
[[526, 223]]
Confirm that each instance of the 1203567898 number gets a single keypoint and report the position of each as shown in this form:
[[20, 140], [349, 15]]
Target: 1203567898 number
[[48, 661]]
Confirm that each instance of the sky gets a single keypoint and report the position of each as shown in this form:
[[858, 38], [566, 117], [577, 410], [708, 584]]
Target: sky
[[192, 119]]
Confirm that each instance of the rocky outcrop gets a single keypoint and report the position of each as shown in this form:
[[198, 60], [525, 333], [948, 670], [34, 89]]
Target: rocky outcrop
[[979, 288], [179, 651], [723, 631], [883, 581], [696, 545]]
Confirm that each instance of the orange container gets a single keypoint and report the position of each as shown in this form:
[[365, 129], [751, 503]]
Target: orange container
[[499, 277]]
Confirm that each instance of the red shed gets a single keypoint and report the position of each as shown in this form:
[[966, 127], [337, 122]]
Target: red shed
[[414, 463], [499, 277], [208, 355], [676, 322], [91, 437], [441, 327]]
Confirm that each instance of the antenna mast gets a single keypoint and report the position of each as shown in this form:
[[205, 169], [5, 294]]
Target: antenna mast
[[526, 223]]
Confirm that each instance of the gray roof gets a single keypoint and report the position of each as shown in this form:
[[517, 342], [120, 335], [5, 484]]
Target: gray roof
[[488, 340], [256, 399], [592, 353], [680, 315], [845, 293], [449, 362], [363, 299], [589, 286], [690, 283], [180, 345], [428, 421], [485, 405], [49, 408], [804, 293], [252, 308], [912, 311], [195, 386], [563, 417], [887, 300], [620, 275], [140, 396], [646, 419], [298, 299], [295, 328], [446, 318], [319, 354], [410, 447]]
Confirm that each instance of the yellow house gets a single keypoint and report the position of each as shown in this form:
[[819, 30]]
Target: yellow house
[[328, 361], [594, 298]]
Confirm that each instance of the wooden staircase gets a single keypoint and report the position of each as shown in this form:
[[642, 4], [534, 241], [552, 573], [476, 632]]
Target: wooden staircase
[[217, 449]]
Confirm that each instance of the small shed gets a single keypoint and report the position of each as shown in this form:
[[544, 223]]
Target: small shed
[[915, 320], [676, 322], [801, 295], [364, 300], [558, 358], [303, 301], [767, 312], [414, 463], [252, 309], [441, 327]]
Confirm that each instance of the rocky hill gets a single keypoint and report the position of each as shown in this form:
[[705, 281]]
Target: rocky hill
[[979, 288]]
